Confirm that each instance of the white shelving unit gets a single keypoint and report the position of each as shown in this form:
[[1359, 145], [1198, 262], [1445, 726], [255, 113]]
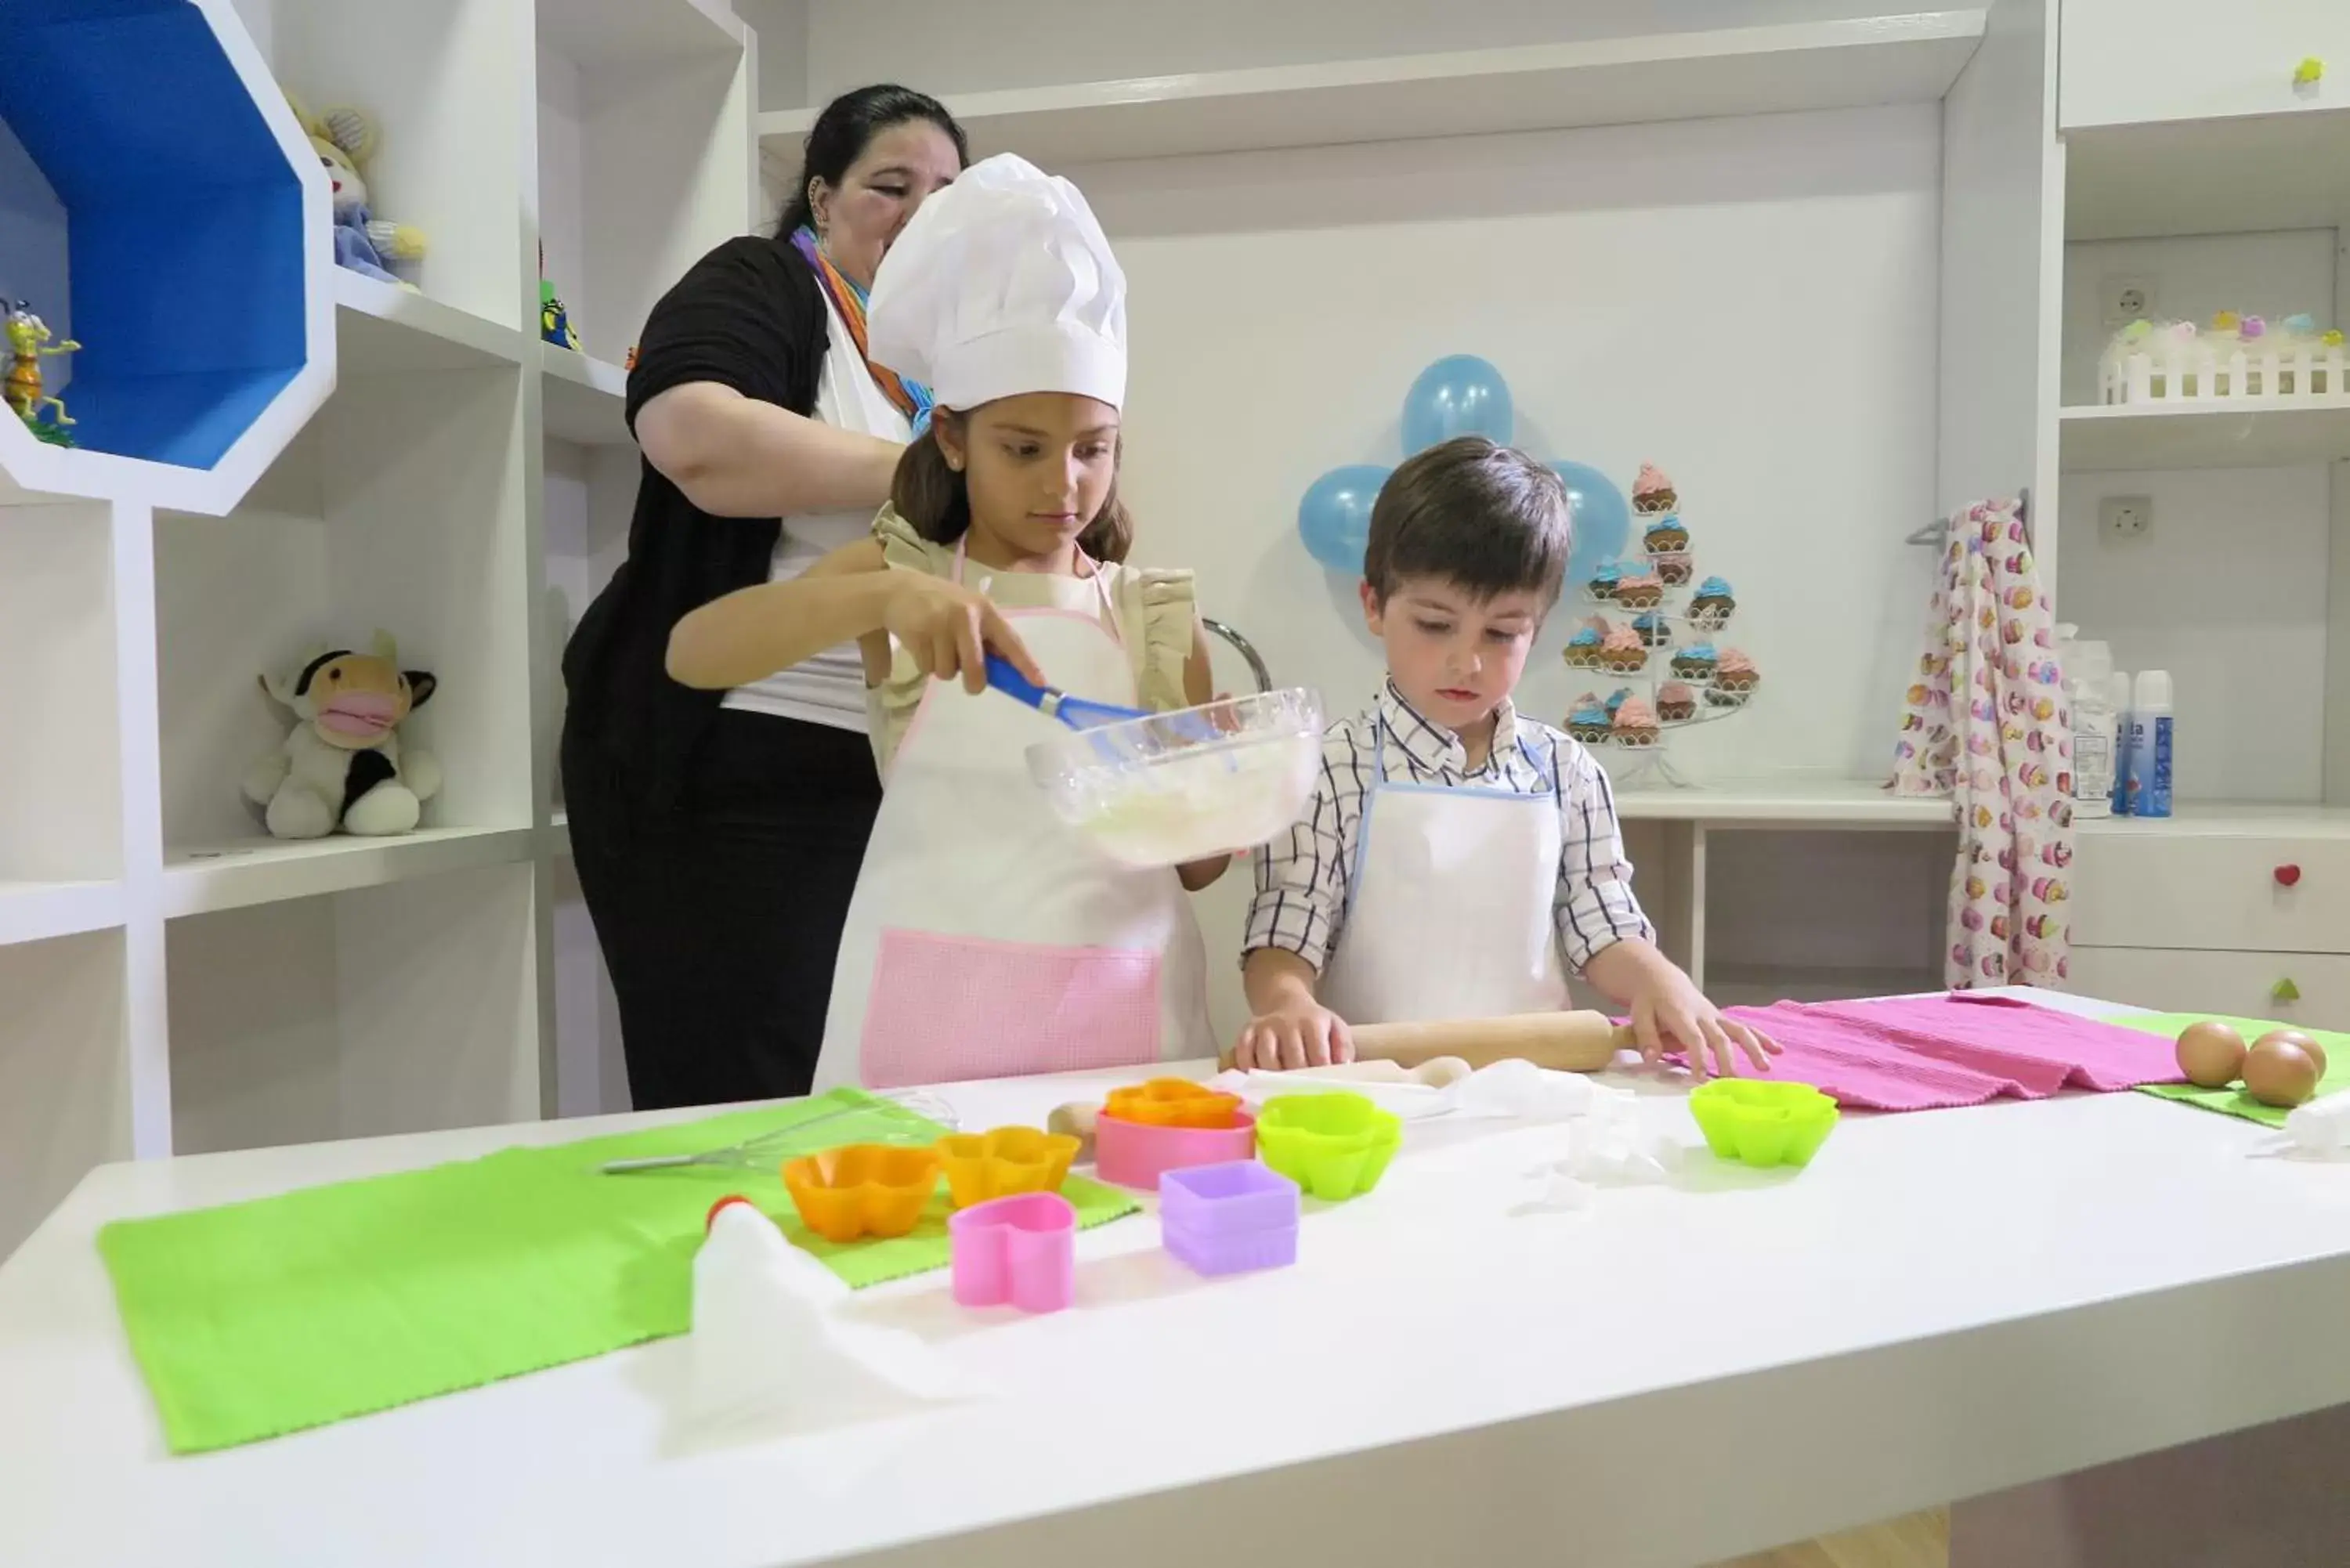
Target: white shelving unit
[[1615, 82], [2244, 432], [171, 980]]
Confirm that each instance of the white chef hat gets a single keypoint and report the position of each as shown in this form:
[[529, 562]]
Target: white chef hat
[[1002, 284]]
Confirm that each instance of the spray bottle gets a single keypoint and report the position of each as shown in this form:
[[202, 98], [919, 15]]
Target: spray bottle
[[2148, 787]]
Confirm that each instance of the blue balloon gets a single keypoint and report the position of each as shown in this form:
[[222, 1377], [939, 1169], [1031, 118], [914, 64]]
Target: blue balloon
[[1603, 519], [1334, 517], [1459, 395]]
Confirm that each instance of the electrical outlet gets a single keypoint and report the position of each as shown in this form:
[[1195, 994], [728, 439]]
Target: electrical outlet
[[2126, 299], [2126, 516]]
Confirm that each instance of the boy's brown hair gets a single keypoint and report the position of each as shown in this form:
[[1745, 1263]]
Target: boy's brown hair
[[1485, 517]]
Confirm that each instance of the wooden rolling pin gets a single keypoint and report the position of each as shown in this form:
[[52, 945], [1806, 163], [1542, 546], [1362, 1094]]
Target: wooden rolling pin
[[1579, 1042]]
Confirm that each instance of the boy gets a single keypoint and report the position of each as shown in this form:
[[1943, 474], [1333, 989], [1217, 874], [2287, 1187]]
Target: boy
[[1458, 859]]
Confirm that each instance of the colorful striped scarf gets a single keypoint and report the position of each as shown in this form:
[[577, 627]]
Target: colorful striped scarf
[[911, 397]]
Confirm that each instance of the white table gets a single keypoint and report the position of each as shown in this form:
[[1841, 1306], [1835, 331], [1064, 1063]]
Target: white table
[[1944, 1305]]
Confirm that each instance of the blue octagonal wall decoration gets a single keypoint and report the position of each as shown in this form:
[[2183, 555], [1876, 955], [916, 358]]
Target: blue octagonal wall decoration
[[147, 157]]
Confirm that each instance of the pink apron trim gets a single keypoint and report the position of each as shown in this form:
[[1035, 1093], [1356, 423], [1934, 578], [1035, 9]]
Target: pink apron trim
[[946, 1009], [1106, 622]]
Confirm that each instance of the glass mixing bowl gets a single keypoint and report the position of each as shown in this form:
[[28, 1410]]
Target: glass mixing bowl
[[1184, 785]]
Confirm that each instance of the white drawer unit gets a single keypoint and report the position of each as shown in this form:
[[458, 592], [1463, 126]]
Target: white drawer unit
[[2173, 887], [2309, 989], [2124, 61]]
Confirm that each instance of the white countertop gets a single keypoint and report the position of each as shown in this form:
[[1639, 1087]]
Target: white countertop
[[1794, 801], [1944, 1303]]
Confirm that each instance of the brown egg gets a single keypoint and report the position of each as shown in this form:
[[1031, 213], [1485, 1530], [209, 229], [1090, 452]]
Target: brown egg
[[2212, 1054], [2298, 1037], [2279, 1073]]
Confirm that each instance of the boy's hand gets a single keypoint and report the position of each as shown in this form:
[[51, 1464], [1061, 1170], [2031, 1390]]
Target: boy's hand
[[1670, 1014], [1302, 1033]]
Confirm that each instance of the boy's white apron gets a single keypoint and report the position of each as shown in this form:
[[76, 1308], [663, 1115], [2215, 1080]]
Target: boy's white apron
[[1452, 916], [986, 938]]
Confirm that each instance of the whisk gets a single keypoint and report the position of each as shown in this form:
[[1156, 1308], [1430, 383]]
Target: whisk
[[768, 1149]]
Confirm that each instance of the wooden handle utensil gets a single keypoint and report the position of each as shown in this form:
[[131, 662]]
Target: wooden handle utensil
[[1577, 1042]]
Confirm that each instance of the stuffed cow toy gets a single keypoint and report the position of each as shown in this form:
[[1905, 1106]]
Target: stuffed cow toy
[[343, 766]]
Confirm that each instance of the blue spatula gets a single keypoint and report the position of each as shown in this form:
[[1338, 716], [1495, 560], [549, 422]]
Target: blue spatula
[[1055, 703]]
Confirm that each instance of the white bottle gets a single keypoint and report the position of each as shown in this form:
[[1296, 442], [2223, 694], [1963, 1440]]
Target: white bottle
[[2149, 762], [2096, 723], [768, 1346]]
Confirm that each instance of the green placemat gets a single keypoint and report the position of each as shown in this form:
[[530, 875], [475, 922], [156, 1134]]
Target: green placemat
[[2235, 1102], [266, 1317]]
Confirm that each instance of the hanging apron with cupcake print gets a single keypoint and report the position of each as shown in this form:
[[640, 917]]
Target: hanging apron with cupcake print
[[1985, 722]]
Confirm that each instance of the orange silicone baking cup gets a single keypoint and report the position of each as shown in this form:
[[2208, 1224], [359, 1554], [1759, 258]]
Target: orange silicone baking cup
[[984, 1166], [1172, 1102], [862, 1190]]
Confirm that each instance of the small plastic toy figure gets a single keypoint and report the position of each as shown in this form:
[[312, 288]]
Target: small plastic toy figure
[[29, 344]]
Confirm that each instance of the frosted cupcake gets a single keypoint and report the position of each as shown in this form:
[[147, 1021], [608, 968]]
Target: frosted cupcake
[[1652, 491], [1696, 662], [1676, 700], [1622, 651], [1654, 629], [1665, 544], [1636, 723], [1641, 590], [1589, 721], [1710, 605], [1734, 680], [1583, 648], [1604, 578]]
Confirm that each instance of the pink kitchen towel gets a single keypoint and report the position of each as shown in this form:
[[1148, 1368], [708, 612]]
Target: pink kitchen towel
[[1926, 1053]]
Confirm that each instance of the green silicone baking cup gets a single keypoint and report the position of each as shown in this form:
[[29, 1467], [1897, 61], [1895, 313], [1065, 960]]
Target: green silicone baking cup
[[1763, 1124], [1336, 1146]]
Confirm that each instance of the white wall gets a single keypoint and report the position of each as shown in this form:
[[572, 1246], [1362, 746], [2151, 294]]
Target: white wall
[[783, 29], [561, 201], [1749, 303], [2227, 592], [1024, 43], [1282, 302]]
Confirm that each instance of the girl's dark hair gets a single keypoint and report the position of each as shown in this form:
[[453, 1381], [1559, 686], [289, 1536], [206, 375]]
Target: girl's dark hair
[[932, 496], [846, 127]]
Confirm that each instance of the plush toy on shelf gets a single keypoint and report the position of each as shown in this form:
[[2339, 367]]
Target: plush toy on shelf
[[343, 766], [367, 245]]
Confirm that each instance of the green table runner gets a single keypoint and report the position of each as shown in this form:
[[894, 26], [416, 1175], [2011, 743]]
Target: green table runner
[[266, 1317], [2234, 1102]]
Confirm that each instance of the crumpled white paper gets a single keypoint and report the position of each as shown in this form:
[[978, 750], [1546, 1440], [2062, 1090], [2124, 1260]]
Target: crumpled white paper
[[769, 1347], [1605, 1147]]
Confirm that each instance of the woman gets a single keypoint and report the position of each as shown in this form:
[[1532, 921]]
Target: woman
[[717, 836]]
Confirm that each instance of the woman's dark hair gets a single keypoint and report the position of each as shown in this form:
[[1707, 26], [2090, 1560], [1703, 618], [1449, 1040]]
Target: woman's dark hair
[[932, 496], [846, 127]]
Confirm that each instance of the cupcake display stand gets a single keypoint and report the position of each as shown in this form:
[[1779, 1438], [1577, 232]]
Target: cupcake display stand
[[1652, 639]]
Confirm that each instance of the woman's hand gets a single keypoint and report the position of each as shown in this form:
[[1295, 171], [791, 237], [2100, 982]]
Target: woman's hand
[[948, 630]]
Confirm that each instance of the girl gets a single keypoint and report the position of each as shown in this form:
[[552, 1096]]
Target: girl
[[985, 939]]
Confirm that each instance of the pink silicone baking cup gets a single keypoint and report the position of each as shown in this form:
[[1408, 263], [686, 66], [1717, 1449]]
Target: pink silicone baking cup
[[1020, 1250], [1137, 1154]]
